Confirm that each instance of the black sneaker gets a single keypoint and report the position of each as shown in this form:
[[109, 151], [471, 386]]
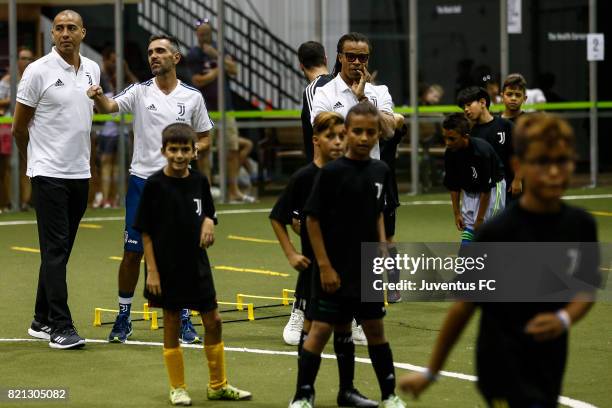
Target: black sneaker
[[66, 338], [394, 296], [353, 398], [39, 330], [122, 329]]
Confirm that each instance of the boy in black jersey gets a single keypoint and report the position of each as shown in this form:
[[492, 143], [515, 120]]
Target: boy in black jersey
[[522, 347], [514, 95], [313, 63], [176, 217], [345, 209], [475, 102], [329, 144], [473, 174]]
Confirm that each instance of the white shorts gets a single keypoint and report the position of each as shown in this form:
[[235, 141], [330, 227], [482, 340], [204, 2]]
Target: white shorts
[[470, 202]]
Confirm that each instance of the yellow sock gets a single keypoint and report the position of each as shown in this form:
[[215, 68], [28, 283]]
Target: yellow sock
[[173, 357], [216, 365]]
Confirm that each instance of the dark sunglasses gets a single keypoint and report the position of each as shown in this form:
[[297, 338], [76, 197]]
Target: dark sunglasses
[[350, 57], [201, 21], [546, 162]]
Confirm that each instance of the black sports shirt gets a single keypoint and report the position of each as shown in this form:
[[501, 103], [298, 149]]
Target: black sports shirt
[[347, 199], [498, 133], [307, 97], [474, 169]]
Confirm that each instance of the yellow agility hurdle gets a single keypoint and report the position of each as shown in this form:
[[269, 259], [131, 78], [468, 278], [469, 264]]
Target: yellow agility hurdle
[[146, 316], [249, 306], [286, 293], [241, 296]]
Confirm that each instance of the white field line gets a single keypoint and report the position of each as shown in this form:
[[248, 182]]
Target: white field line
[[569, 402], [266, 210], [568, 198], [90, 219]]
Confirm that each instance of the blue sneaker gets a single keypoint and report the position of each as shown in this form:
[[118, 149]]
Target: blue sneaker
[[122, 329], [188, 332]]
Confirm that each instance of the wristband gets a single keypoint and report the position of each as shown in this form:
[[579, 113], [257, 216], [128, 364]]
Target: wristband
[[565, 318], [431, 377]]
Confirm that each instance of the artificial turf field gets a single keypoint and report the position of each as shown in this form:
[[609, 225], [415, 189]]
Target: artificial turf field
[[133, 375]]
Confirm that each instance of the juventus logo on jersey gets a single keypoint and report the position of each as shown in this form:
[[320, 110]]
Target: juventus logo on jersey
[[181, 107], [474, 173], [502, 137], [373, 100], [89, 78], [379, 188], [198, 203]]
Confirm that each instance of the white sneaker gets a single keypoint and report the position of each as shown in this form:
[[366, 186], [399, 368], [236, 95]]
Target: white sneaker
[[359, 336], [228, 393], [293, 328], [98, 198], [393, 402], [215, 192], [179, 396], [303, 403]]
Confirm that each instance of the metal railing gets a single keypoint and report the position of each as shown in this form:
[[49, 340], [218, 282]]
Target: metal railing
[[268, 77]]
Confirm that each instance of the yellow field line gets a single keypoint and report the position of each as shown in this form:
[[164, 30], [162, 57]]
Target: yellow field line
[[250, 270], [231, 269], [90, 226], [249, 239], [602, 213], [118, 258], [25, 249]]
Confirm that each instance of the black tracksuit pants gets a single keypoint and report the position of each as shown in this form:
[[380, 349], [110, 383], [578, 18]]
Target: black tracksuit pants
[[60, 205]]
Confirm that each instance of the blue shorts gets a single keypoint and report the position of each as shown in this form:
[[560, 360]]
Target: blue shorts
[[133, 239]]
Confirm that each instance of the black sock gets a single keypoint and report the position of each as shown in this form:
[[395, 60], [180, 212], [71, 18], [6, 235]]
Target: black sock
[[345, 354], [382, 360], [303, 337], [308, 367]]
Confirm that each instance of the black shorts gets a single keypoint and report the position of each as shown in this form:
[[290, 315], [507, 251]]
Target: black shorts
[[389, 219], [303, 287], [203, 306], [195, 293], [107, 144], [343, 311], [302, 304]]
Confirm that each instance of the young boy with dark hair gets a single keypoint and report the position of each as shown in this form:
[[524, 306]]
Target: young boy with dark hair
[[329, 144], [313, 63], [514, 95], [522, 347], [345, 209], [475, 102], [474, 175], [176, 217]]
